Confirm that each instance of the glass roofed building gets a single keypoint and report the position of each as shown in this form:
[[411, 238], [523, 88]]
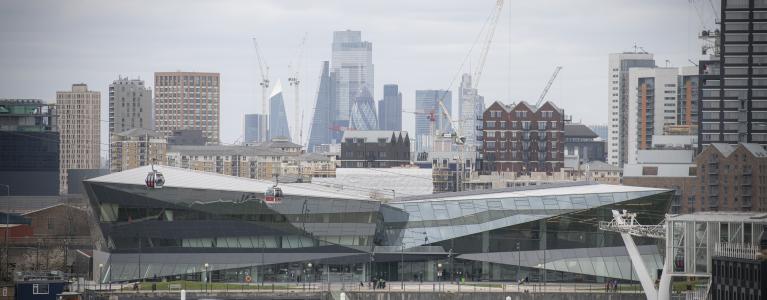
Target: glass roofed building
[[318, 233]]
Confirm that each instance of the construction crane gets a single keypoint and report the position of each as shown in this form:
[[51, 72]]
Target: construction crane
[[548, 86], [264, 70], [294, 81]]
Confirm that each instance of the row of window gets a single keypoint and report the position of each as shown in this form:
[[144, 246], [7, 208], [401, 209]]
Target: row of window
[[542, 125]]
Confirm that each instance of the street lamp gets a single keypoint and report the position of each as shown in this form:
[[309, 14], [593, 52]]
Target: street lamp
[[205, 277], [101, 270], [439, 275], [519, 262], [309, 265], [7, 229]]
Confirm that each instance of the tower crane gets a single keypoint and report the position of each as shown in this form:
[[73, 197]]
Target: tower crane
[[492, 22], [548, 86], [294, 81], [264, 70]]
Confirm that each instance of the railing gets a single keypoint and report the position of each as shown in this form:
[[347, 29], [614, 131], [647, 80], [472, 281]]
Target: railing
[[736, 250]]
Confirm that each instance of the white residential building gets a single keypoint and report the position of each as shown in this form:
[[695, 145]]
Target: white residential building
[[617, 95]]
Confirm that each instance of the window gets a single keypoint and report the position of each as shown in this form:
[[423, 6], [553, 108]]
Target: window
[[525, 125], [541, 125], [40, 289], [649, 171], [521, 114], [490, 124], [491, 134]]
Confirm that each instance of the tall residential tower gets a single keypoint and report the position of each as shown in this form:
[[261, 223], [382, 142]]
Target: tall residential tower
[[618, 100], [79, 129], [187, 100]]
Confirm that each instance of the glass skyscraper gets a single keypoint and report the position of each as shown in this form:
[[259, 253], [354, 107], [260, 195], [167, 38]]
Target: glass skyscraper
[[352, 62], [251, 128], [278, 119], [390, 109], [364, 115], [322, 130]]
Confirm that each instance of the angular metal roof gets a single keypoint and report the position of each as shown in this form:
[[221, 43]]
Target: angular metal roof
[[191, 179]]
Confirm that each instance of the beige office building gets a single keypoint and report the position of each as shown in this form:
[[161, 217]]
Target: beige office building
[[79, 129], [187, 100]]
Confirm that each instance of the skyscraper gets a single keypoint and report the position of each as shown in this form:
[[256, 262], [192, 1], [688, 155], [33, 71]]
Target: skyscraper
[[278, 119], [187, 100], [390, 109], [734, 105], [363, 115], [470, 109], [251, 128], [130, 105], [79, 129], [321, 131], [429, 119], [618, 97], [352, 62]]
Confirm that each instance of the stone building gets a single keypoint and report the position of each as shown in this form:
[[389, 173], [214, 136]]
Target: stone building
[[136, 147]]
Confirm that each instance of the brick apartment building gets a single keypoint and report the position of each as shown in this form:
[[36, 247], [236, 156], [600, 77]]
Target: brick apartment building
[[522, 138], [732, 178]]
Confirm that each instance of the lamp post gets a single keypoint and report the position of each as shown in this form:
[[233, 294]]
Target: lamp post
[[519, 261], [101, 273], [205, 277], [439, 275], [309, 265], [7, 229]]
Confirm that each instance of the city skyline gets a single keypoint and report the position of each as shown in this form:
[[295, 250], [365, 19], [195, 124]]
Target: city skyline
[[426, 56]]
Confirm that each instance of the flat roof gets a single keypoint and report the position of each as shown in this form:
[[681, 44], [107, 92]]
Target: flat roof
[[718, 216]]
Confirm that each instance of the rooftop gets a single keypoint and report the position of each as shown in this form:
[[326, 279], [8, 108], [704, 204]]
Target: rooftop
[[190, 179], [139, 132], [214, 150], [580, 131], [717, 216], [374, 134]]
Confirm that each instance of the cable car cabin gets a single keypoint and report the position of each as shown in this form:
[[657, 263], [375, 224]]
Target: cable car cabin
[[154, 180], [273, 195]]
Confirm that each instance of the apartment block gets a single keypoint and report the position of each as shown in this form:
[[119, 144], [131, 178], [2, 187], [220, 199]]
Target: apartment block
[[618, 100], [732, 177], [521, 138], [79, 129], [135, 148], [188, 100], [375, 149]]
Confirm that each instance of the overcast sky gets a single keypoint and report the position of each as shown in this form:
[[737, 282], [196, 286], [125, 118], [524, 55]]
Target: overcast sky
[[45, 46]]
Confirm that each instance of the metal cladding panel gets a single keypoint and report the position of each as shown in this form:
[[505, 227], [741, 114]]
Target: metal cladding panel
[[606, 261], [453, 217]]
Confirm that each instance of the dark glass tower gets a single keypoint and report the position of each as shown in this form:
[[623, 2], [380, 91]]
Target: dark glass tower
[[390, 109]]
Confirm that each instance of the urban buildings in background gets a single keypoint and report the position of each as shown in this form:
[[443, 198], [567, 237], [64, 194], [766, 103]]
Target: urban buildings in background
[[667, 163], [732, 177], [363, 113], [278, 118], [375, 149], [522, 139], [29, 155], [429, 118], [525, 223], [135, 148], [324, 129], [251, 128], [662, 101], [618, 101], [390, 108], [735, 107], [601, 131], [79, 122], [583, 144], [130, 106], [471, 106], [189, 137], [352, 64], [187, 100]]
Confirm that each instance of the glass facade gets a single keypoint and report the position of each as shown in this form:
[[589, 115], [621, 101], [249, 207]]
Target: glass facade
[[546, 233]]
